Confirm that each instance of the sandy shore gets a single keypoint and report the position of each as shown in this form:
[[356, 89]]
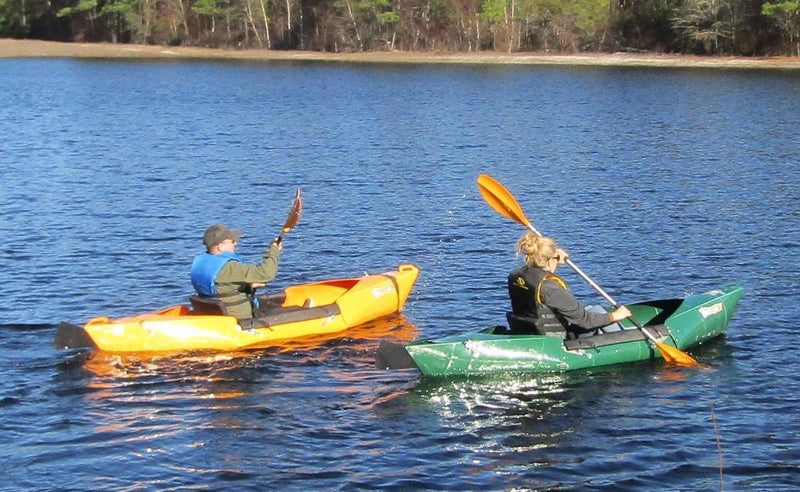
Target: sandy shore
[[10, 48]]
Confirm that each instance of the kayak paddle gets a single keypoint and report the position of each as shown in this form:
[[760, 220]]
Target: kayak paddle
[[294, 216], [500, 199]]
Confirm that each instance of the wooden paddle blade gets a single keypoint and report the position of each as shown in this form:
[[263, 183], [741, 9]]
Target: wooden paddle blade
[[294, 213], [500, 199], [675, 356]]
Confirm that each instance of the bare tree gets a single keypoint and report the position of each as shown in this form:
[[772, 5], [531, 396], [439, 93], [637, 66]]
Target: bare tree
[[706, 23]]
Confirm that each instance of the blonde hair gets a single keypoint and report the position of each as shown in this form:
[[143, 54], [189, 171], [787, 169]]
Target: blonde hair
[[536, 250]]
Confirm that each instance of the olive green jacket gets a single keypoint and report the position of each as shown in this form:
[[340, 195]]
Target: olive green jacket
[[236, 277]]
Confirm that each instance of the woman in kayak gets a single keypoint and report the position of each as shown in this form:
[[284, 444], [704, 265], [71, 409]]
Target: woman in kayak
[[221, 274], [541, 302]]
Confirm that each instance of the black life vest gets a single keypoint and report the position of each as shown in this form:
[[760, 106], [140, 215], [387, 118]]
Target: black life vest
[[528, 313]]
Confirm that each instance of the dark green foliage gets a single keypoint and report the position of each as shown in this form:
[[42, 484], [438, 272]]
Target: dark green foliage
[[711, 27], [786, 16]]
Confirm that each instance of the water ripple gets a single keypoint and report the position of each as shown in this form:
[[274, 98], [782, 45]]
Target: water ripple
[[658, 182]]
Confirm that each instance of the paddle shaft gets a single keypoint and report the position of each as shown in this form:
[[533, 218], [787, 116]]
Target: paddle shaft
[[500, 199], [279, 239], [581, 273], [599, 289]]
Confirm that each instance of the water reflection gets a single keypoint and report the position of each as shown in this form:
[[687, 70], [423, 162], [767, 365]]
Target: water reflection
[[692, 190], [236, 408], [208, 365], [519, 419]]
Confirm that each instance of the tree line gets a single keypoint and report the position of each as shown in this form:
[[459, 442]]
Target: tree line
[[708, 27]]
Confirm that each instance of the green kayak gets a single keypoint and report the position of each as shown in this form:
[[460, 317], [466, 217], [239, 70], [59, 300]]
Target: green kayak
[[682, 323]]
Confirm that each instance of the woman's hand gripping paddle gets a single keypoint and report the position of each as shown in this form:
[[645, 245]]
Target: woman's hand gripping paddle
[[500, 199]]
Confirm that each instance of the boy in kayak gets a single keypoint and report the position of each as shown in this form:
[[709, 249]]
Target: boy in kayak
[[541, 303], [221, 274]]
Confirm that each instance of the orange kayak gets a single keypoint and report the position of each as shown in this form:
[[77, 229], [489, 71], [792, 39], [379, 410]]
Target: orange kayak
[[317, 308]]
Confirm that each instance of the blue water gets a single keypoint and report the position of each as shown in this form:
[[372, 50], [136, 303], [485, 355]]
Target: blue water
[[658, 182]]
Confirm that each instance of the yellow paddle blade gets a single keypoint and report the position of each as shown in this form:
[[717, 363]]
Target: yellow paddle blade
[[676, 356], [500, 199]]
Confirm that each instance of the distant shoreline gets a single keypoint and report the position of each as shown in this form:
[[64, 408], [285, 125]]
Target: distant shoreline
[[12, 48]]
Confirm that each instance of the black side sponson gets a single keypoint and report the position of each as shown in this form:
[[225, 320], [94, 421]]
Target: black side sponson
[[281, 316], [604, 339]]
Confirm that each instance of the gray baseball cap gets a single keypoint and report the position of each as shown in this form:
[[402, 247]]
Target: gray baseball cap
[[218, 233]]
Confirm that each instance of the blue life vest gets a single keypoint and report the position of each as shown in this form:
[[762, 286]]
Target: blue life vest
[[205, 269]]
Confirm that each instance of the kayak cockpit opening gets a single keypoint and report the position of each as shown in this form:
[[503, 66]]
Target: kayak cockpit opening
[[654, 312], [267, 303], [646, 313], [271, 311]]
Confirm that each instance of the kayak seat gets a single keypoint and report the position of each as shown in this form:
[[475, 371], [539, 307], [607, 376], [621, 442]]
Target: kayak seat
[[525, 325], [207, 306]]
